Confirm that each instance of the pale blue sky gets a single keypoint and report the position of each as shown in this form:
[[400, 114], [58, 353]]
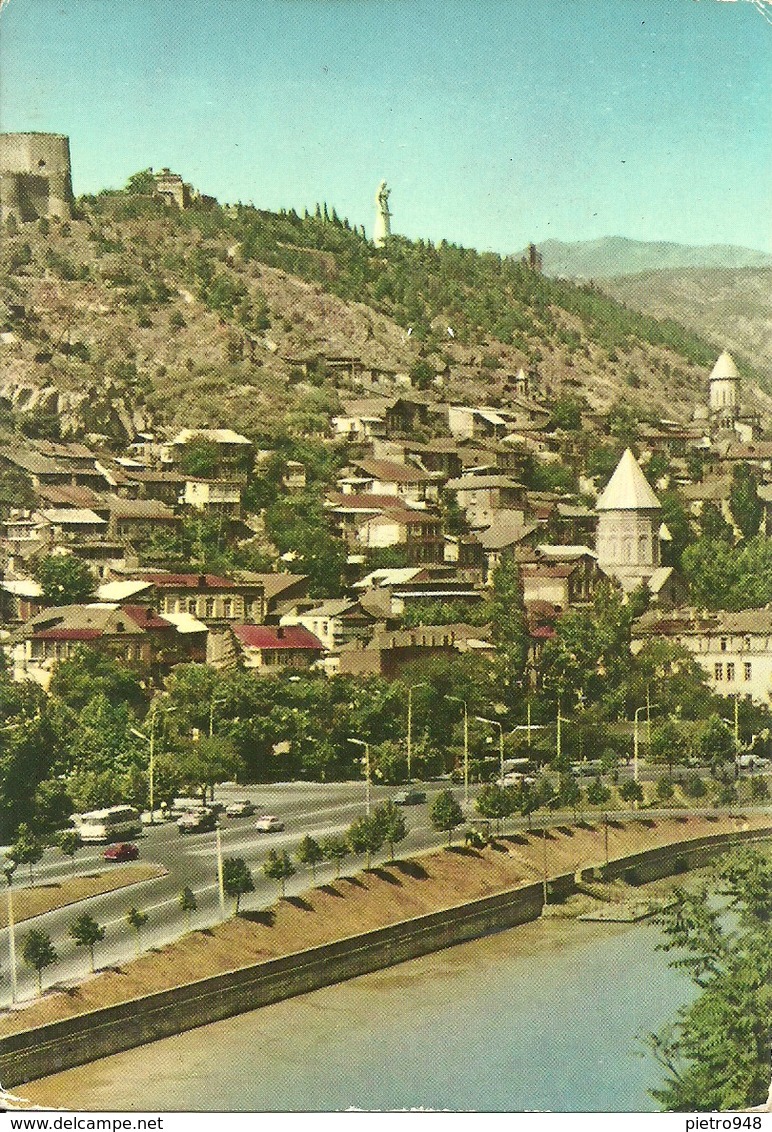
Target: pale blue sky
[[494, 121]]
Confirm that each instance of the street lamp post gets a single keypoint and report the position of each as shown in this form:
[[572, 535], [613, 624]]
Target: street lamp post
[[150, 739], [220, 879], [458, 700], [9, 868], [362, 743], [495, 723], [410, 691], [647, 708]]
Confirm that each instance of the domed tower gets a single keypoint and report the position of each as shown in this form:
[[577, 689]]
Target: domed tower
[[629, 518], [724, 399]]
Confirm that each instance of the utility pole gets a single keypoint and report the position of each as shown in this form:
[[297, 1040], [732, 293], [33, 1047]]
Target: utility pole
[[410, 691], [458, 700]]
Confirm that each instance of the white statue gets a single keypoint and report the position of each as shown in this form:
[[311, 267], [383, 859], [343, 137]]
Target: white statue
[[382, 228]]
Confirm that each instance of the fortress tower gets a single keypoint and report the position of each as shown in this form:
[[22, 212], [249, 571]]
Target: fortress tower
[[35, 176], [628, 541], [724, 399]]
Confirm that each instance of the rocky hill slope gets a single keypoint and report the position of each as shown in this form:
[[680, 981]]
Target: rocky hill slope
[[731, 306], [135, 314]]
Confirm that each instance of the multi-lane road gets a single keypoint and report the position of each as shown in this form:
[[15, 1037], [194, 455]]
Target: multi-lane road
[[318, 809]]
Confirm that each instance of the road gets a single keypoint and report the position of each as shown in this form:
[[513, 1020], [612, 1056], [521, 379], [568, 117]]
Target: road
[[315, 809], [319, 810]]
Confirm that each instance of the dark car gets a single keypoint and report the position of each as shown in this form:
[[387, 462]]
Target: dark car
[[123, 851], [202, 821], [409, 797]]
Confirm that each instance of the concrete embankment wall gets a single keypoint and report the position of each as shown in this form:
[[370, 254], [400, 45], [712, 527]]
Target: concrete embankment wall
[[74, 1041]]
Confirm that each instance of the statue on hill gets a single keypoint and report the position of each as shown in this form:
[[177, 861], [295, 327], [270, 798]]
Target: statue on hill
[[382, 229]]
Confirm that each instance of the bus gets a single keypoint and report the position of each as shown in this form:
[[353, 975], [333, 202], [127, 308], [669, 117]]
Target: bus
[[111, 824]]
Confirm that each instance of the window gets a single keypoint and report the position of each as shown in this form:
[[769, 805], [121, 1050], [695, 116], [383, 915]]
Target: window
[[227, 607], [209, 607], [723, 644], [192, 605], [718, 672], [747, 670], [730, 671], [748, 644]]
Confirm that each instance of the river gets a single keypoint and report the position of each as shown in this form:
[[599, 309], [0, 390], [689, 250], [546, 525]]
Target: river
[[548, 1016]]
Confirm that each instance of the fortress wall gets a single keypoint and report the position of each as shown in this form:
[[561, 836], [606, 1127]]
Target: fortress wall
[[35, 175]]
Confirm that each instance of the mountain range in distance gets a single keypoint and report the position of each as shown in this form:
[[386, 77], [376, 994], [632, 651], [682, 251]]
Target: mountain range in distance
[[616, 255]]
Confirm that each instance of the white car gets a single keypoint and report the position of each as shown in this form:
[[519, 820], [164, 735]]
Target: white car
[[268, 823], [242, 808]]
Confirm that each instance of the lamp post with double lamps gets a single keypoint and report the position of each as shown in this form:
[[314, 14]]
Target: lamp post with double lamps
[[495, 723], [647, 707], [458, 700], [410, 691], [150, 739], [362, 743]]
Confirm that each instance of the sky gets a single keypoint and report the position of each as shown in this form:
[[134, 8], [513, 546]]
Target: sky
[[495, 122]]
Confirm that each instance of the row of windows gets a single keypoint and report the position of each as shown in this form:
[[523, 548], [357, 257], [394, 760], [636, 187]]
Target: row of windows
[[718, 671], [208, 607]]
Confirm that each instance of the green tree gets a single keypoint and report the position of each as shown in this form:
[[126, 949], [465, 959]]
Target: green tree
[[694, 787], [335, 849], [141, 183], [664, 789], [136, 920], [744, 503], [65, 580], [27, 849], [713, 526], [668, 745], [87, 933], [69, 843], [309, 854], [495, 802], [759, 788], [188, 902], [716, 1055], [393, 825], [38, 952], [205, 762], [279, 867], [200, 457], [366, 835], [631, 791], [509, 628], [598, 793], [237, 879], [570, 793], [445, 813], [715, 744]]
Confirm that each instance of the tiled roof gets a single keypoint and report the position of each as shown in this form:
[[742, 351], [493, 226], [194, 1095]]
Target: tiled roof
[[391, 471], [281, 637]]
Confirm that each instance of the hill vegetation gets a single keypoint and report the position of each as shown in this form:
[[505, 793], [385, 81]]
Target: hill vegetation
[[136, 313]]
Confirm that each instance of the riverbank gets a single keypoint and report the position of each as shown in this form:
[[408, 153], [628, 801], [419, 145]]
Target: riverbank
[[387, 895]]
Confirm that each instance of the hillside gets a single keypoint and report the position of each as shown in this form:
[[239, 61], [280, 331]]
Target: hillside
[[733, 307], [616, 255], [135, 314]]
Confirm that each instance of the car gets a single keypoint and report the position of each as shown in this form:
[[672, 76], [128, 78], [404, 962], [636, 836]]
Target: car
[[409, 797], [122, 851], [269, 823], [202, 821], [242, 808]]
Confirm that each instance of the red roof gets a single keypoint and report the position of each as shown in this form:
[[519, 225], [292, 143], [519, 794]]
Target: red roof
[[277, 637], [146, 618], [68, 634], [189, 581], [542, 633]]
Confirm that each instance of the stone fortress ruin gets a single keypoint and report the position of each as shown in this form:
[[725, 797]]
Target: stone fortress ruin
[[35, 176]]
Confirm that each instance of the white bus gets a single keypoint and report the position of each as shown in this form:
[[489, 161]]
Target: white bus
[[111, 824]]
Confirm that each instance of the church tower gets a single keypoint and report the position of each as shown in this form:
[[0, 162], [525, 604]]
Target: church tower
[[724, 399], [629, 518]]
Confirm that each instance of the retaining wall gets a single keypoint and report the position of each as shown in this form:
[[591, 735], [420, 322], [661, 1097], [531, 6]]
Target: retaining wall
[[74, 1041]]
